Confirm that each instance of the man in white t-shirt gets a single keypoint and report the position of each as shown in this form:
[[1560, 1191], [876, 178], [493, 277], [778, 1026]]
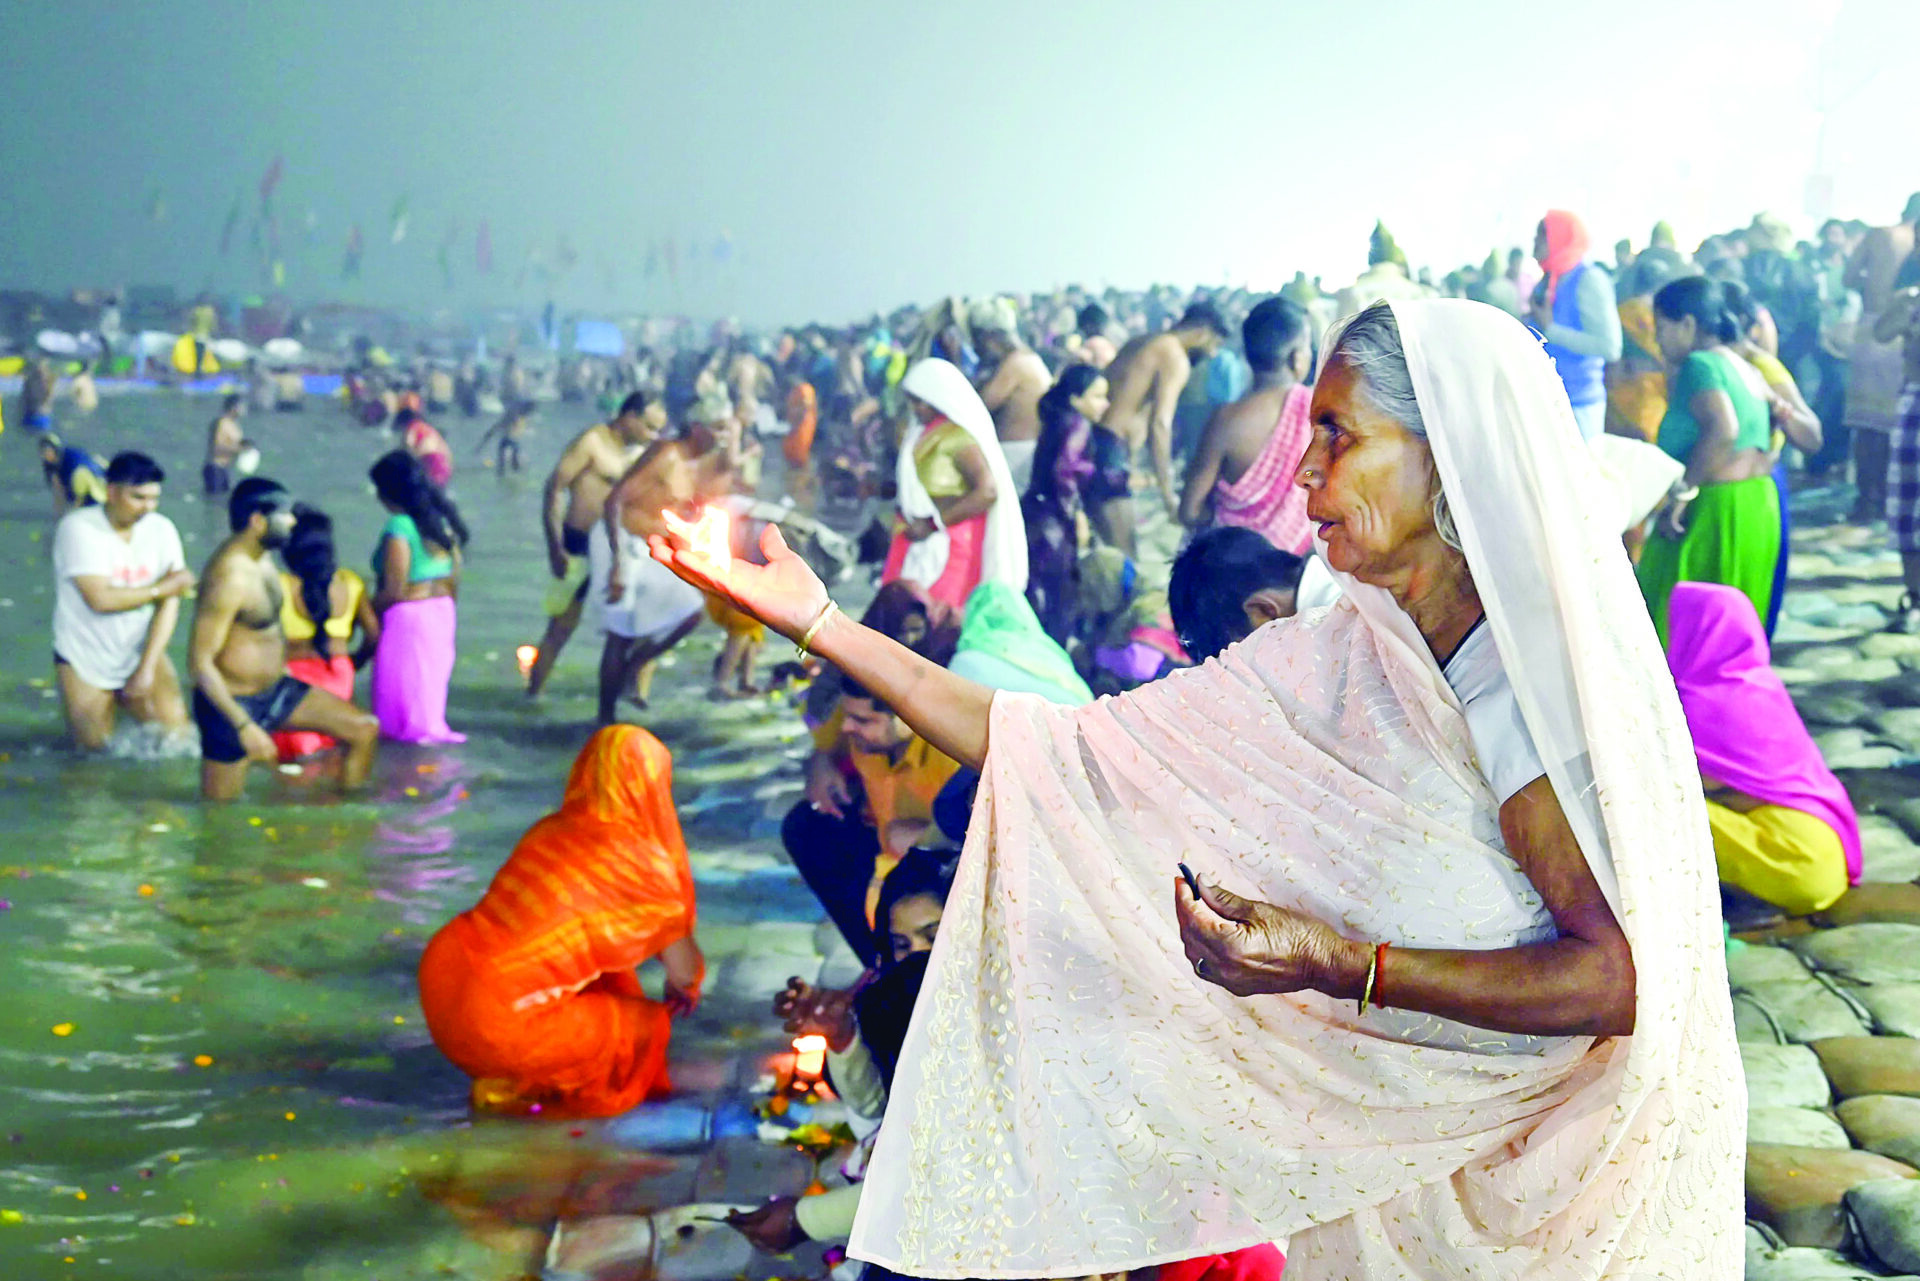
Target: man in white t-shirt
[[119, 573]]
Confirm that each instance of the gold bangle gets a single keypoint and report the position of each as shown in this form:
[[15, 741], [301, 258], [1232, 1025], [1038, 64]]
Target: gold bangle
[[827, 611], [1373, 971]]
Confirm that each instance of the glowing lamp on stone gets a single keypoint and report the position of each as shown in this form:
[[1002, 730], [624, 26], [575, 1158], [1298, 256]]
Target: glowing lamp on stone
[[710, 535], [526, 656]]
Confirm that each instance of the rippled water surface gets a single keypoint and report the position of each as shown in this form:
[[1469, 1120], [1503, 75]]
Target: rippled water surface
[[212, 1062]]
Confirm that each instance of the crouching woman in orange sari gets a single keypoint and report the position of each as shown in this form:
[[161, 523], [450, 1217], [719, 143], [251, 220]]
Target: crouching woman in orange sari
[[532, 992]]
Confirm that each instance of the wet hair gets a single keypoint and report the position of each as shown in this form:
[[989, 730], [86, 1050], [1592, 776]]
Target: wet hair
[[254, 494], [1703, 299], [401, 481], [1741, 305], [1370, 345], [131, 467], [1211, 582], [1091, 319], [1205, 315], [635, 403], [310, 556], [231, 402], [1273, 331], [405, 418], [1056, 413]]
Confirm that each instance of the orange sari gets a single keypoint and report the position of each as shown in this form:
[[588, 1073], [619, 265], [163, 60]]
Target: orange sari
[[803, 419], [532, 992]]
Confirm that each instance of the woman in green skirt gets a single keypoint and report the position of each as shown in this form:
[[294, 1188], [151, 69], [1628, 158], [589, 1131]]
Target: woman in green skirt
[[1721, 523]]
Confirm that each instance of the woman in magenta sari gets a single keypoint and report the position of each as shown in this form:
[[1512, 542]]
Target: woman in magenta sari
[[417, 562], [1784, 829]]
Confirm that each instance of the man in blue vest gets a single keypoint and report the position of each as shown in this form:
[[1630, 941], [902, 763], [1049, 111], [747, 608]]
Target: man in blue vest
[[1574, 309]]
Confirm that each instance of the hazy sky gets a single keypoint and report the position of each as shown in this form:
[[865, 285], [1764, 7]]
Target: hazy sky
[[860, 154]]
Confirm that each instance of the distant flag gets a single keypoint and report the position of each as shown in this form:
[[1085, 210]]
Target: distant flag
[[356, 245], [311, 223], [483, 249], [723, 247], [279, 274], [565, 256], [231, 225], [156, 206], [270, 179], [652, 268], [444, 256], [398, 221]]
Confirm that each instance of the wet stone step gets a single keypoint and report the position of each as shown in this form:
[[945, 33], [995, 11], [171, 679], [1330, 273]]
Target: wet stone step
[[1888, 1124], [1859, 1065], [1797, 1191], [1885, 1218], [1872, 953], [1783, 1076]]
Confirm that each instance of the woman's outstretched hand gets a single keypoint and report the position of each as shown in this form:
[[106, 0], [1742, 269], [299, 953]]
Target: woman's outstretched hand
[[1252, 948], [784, 593]]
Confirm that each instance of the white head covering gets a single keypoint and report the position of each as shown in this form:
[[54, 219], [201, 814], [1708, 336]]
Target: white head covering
[[1071, 1100], [1004, 552]]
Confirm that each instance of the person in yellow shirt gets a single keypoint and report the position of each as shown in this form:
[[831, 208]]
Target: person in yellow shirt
[[843, 844]]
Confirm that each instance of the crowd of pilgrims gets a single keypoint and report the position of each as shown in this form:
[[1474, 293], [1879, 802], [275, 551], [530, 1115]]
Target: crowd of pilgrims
[[1003, 463]]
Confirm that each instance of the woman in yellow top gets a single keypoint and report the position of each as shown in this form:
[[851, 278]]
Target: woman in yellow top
[[960, 522], [319, 587], [1793, 419]]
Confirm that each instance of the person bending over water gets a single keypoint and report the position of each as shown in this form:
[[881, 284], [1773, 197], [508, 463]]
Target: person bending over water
[[238, 655], [588, 470], [532, 991]]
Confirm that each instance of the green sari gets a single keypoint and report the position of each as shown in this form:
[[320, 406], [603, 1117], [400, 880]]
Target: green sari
[[1733, 537], [1003, 645]]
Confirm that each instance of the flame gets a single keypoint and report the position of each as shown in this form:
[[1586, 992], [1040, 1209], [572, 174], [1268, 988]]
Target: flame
[[809, 1057], [526, 656], [709, 536]]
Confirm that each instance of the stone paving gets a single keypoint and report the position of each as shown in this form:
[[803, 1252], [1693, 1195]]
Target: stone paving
[[1828, 1009]]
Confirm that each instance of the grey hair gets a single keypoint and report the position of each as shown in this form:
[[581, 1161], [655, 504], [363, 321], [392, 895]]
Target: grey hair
[[1370, 345]]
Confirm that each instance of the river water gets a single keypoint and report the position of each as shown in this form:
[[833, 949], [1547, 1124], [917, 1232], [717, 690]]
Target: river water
[[212, 1060]]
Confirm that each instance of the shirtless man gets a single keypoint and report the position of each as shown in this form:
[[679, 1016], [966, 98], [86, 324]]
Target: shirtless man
[[1242, 473], [1147, 378], [1095, 345], [238, 657], [37, 387], [586, 473], [1012, 393], [645, 608], [225, 440], [1874, 378]]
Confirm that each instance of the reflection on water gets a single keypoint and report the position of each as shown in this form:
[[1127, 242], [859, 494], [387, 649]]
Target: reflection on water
[[213, 1064]]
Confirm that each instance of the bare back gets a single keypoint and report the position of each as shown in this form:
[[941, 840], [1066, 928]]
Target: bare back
[[601, 456], [1243, 428], [224, 441], [1013, 395], [1136, 375], [1876, 264], [672, 475]]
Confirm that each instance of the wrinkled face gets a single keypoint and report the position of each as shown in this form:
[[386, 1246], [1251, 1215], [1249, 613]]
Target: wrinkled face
[[128, 503], [1092, 403], [912, 925], [870, 727], [1369, 480], [1675, 338]]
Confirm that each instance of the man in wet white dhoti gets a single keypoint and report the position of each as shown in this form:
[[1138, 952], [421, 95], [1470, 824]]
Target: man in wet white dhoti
[[1454, 1004]]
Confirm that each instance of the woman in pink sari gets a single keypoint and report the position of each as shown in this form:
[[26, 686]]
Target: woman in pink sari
[[960, 522], [417, 562], [1784, 829], [1448, 997]]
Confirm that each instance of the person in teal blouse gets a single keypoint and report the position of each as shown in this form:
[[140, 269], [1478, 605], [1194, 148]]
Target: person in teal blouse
[[1721, 523], [417, 565]]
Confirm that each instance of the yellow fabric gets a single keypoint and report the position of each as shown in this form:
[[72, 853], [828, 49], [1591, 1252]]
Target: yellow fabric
[[936, 456], [295, 624], [1783, 856], [736, 622], [826, 735], [1771, 370], [905, 790], [564, 591]]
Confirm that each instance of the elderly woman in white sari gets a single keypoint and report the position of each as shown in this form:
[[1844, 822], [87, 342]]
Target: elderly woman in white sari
[[1451, 1001]]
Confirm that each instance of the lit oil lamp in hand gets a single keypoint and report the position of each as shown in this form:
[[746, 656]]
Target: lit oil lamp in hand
[[710, 535]]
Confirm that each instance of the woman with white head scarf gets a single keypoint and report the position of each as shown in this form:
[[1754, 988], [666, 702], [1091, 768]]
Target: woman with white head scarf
[[1453, 1001], [960, 522]]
